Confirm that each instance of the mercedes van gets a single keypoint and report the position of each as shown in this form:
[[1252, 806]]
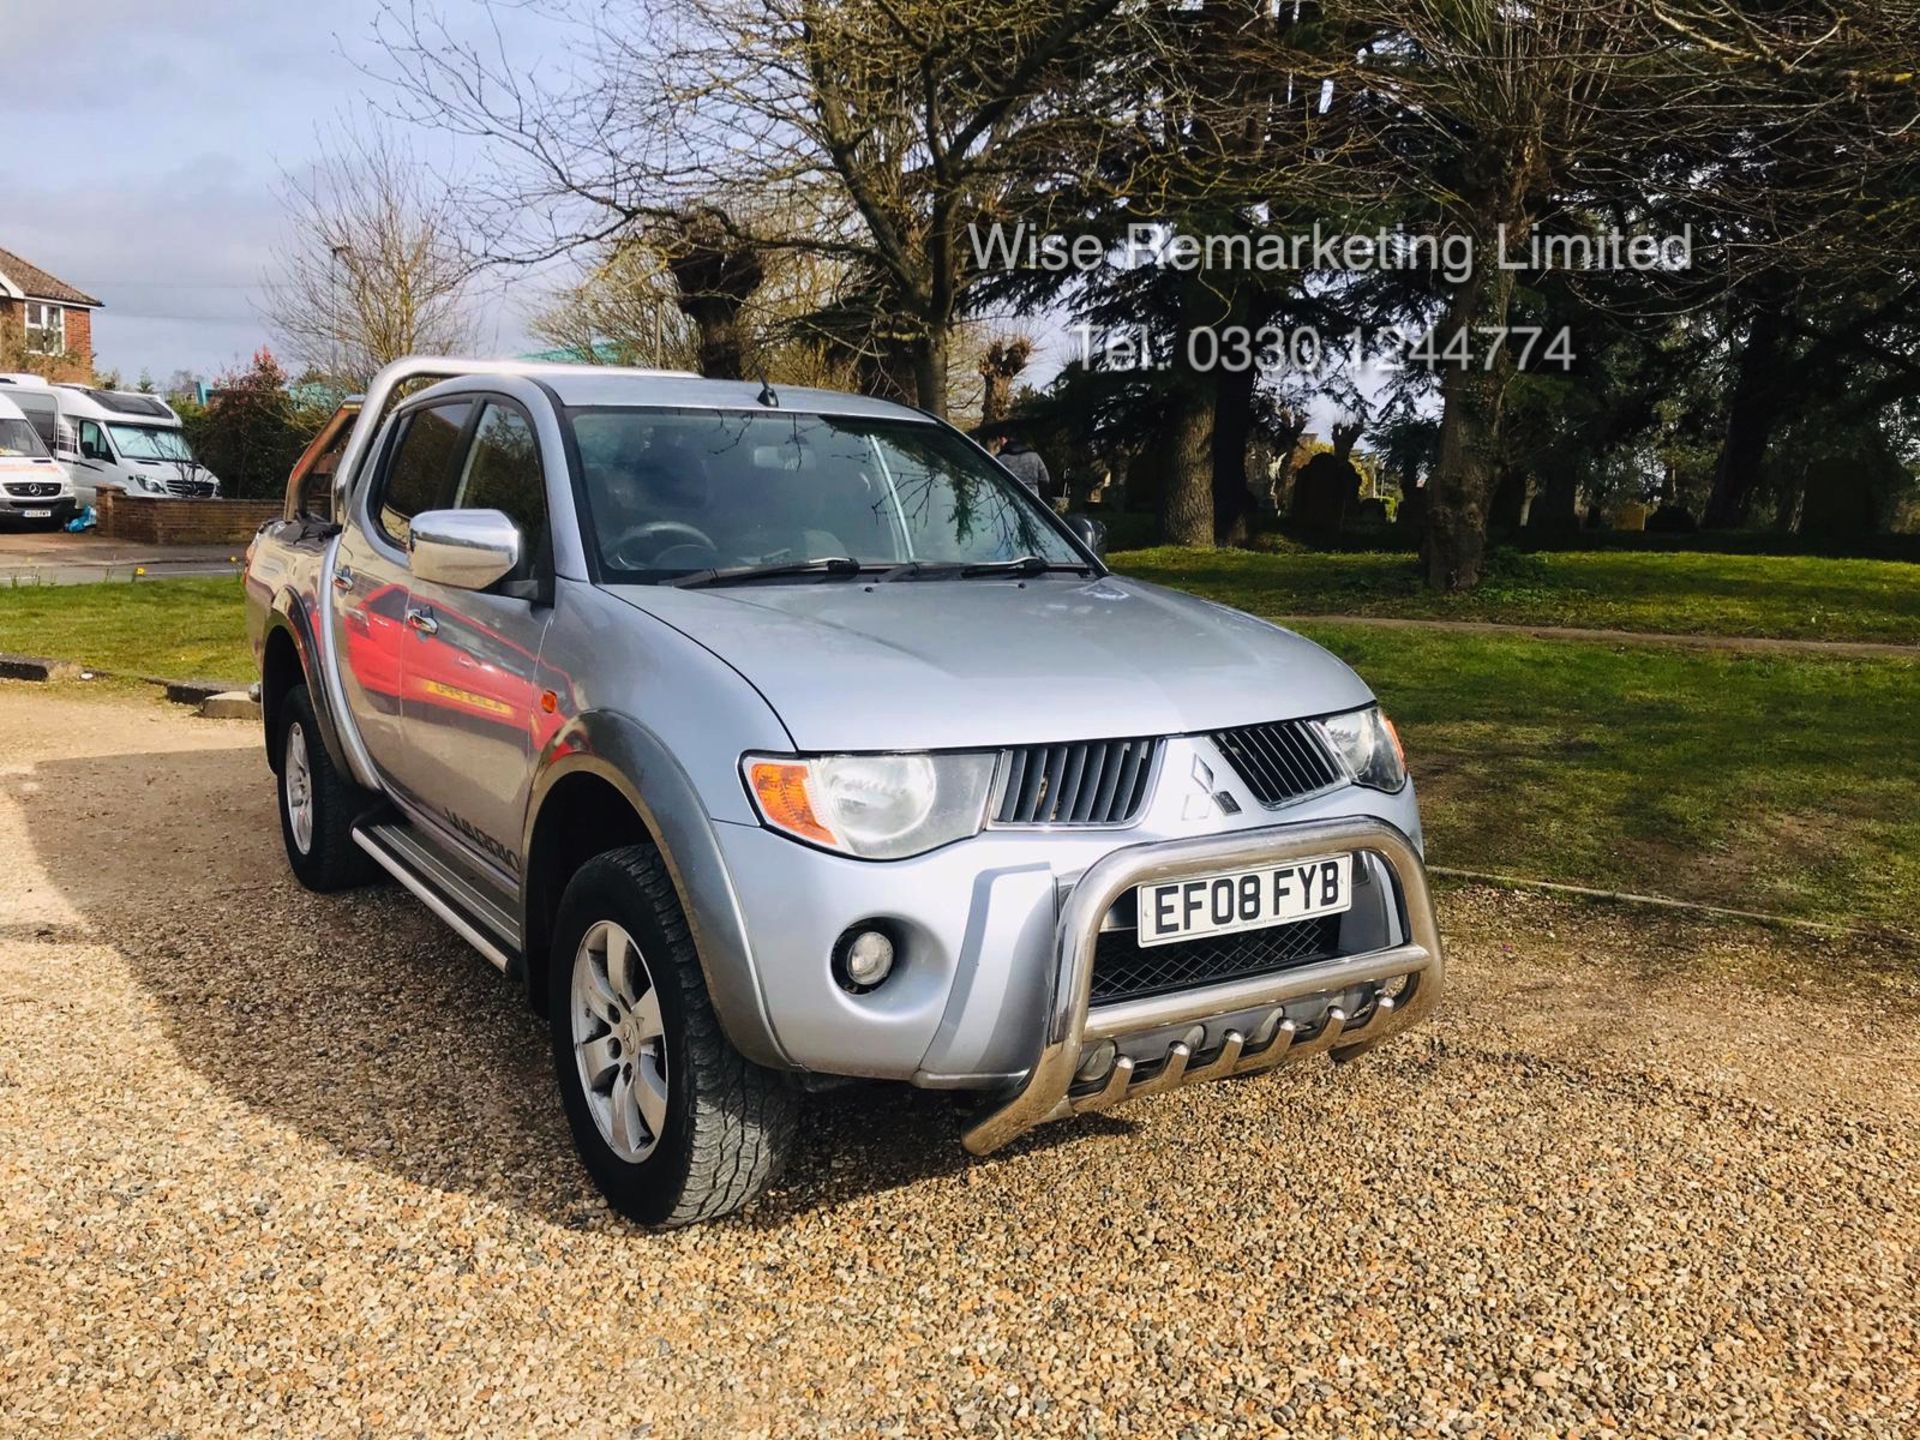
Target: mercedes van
[[132, 442], [32, 486]]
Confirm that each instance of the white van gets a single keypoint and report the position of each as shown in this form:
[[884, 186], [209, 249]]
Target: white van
[[40, 403], [112, 439], [32, 486], [132, 442]]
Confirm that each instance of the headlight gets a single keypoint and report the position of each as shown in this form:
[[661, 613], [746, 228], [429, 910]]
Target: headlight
[[1369, 745], [879, 807]]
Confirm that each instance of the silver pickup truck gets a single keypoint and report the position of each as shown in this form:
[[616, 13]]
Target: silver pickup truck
[[772, 737]]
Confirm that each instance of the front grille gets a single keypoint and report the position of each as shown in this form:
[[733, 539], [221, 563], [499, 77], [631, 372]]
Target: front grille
[[190, 489], [34, 490], [1124, 970], [1280, 762], [1090, 782]]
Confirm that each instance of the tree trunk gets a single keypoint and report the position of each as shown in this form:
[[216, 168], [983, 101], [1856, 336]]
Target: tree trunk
[[1750, 420], [930, 370], [1186, 500], [999, 368], [1461, 490], [717, 272], [1233, 503], [723, 354], [1556, 509]]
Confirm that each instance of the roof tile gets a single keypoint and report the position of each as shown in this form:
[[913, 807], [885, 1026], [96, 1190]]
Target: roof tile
[[39, 285]]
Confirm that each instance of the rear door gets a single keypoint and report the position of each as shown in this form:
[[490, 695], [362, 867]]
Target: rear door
[[371, 581], [473, 689]]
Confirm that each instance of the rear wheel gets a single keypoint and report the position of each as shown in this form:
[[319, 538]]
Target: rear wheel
[[318, 804], [674, 1125]]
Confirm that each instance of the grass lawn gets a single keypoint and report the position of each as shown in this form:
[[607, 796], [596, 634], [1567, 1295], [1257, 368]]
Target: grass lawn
[[1793, 596], [1784, 784], [1779, 783], [176, 629]]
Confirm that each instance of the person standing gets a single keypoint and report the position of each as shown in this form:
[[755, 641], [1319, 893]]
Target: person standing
[[1024, 461]]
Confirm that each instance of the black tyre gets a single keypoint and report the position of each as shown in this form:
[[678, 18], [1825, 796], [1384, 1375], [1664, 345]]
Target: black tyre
[[318, 804], [673, 1123]]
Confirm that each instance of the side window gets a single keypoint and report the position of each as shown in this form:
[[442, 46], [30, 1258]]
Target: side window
[[45, 419], [503, 473], [93, 442], [421, 467]]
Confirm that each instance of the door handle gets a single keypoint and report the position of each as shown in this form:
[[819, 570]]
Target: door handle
[[343, 578], [423, 621]]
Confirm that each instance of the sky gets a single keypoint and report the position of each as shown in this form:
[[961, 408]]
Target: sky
[[144, 168]]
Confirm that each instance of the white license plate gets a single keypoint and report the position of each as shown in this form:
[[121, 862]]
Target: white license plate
[[1204, 905], [38, 514]]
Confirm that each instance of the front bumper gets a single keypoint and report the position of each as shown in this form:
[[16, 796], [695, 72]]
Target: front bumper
[[15, 507], [1241, 1025]]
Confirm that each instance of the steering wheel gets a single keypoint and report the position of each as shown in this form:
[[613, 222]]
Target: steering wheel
[[654, 530]]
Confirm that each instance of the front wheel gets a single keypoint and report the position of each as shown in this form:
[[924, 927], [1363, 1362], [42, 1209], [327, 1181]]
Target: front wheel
[[674, 1125]]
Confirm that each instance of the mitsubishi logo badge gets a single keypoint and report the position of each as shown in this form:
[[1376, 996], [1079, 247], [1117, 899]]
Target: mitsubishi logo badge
[[1204, 800]]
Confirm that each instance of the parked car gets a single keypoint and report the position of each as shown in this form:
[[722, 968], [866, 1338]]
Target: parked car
[[772, 738], [113, 440], [32, 486]]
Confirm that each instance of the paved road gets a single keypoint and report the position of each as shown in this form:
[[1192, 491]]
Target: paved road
[[281, 1163], [44, 557]]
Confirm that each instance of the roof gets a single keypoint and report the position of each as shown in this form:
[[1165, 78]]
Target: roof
[[606, 385], [23, 279]]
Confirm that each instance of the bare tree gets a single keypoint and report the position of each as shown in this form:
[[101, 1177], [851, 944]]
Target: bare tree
[[374, 267], [872, 132], [623, 309], [1000, 366]]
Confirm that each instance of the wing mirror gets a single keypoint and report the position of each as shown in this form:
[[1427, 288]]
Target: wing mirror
[[463, 549], [1091, 533]]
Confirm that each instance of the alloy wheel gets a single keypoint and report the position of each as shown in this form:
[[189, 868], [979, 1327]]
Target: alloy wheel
[[298, 778], [619, 1041]]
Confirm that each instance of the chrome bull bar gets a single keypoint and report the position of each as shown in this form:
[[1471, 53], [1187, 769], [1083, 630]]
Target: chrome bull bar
[[1072, 1022]]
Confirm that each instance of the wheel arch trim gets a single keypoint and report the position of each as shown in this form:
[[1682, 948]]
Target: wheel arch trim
[[639, 765], [289, 617]]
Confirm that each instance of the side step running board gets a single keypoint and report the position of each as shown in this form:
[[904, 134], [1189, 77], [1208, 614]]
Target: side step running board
[[478, 920]]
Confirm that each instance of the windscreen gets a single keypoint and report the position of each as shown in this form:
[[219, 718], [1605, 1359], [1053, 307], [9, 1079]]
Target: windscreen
[[18, 439], [43, 414], [148, 442], [676, 491]]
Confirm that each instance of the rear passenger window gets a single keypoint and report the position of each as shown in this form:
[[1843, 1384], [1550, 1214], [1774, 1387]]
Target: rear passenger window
[[422, 467], [503, 473]]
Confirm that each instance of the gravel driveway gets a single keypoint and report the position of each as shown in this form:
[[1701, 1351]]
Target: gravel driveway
[[290, 1164]]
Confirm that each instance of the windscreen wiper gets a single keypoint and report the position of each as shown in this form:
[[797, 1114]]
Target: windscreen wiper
[[828, 565], [968, 570], [1022, 565]]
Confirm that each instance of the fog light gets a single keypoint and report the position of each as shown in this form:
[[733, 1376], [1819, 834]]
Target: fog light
[[1099, 1060], [865, 959]]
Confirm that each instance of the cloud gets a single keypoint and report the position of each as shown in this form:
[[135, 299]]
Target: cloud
[[149, 173]]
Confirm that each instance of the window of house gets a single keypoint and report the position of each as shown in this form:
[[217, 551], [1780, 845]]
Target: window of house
[[46, 328]]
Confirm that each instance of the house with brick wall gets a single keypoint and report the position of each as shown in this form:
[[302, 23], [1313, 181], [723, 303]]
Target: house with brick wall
[[46, 325]]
